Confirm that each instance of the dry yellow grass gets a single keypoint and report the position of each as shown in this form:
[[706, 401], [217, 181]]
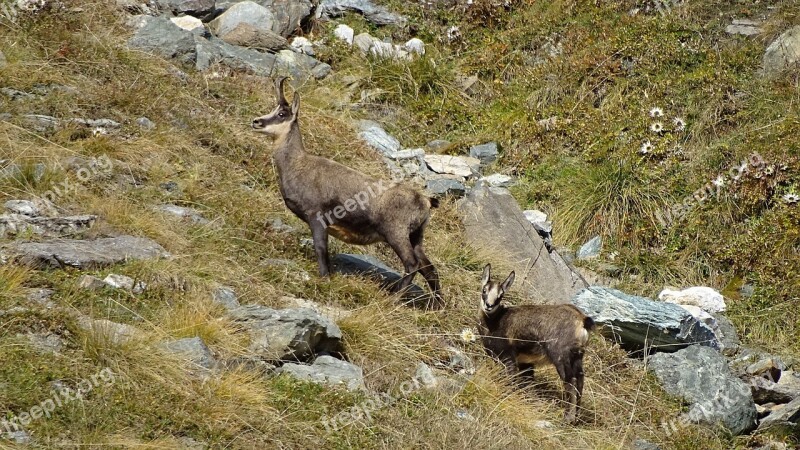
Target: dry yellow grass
[[223, 169]]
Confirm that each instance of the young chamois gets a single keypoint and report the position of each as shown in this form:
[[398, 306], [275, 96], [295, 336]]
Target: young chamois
[[334, 199], [526, 336]]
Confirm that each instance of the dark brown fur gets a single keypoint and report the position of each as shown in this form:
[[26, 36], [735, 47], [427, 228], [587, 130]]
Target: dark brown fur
[[523, 337], [313, 187]]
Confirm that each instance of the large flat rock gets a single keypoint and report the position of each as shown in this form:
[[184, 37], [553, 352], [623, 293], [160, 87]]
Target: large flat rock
[[639, 323], [494, 222], [82, 254]]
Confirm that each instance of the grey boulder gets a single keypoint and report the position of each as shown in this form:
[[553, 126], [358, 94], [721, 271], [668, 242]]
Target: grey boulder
[[82, 254], [19, 224], [376, 14], [785, 416], [701, 376], [493, 222], [443, 187], [246, 12], [639, 323], [486, 153], [287, 334], [783, 53], [247, 35], [197, 8], [327, 370]]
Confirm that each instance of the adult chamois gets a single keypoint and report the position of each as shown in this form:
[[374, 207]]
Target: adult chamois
[[337, 200], [525, 336]]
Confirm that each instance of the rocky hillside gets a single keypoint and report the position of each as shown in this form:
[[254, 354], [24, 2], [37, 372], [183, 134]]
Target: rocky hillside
[[637, 159]]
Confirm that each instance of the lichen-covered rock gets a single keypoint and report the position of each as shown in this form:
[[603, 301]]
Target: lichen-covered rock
[[494, 222], [287, 334], [640, 323], [376, 14], [783, 53], [701, 376], [82, 254], [327, 370]]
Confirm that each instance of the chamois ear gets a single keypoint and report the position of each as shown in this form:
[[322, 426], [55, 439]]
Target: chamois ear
[[296, 104], [507, 284], [487, 272]]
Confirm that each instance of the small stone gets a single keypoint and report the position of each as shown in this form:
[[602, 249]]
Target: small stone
[[145, 123], [302, 45], [706, 298], [415, 46], [91, 283], [425, 376], [441, 187], [591, 249], [641, 444], [498, 180], [534, 215], [744, 27], [226, 297], [112, 332], [24, 207], [321, 71], [486, 153], [247, 35], [364, 42], [124, 282], [376, 137], [410, 153], [193, 350], [454, 165], [243, 12], [48, 343], [543, 424], [438, 145], [327, 370], [769, 367], [193, 215], [344, 33], [188, 23]]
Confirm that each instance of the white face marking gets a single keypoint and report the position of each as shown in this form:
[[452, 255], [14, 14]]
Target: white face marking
[[490, 297]]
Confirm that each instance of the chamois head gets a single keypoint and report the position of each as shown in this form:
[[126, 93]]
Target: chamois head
[[492, 292], [278, 122]]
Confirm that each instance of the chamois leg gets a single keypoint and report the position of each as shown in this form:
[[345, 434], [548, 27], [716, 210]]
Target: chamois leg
[[319, 233], [564, 369], [402, 246], [427, 269], [577, 370]]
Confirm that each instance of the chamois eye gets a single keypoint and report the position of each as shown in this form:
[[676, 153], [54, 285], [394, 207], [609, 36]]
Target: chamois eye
[[281, 114]]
